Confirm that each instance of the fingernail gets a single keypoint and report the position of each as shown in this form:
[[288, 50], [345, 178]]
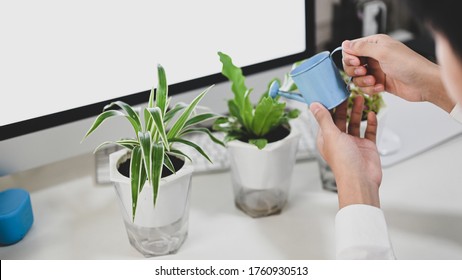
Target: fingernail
[[346, 44], [358, 71]]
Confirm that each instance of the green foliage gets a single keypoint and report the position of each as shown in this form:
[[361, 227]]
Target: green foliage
[[154, 143], [372, 103], [246, 121]]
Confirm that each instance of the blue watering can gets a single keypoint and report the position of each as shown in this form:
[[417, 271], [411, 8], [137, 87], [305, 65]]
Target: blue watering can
[[318, 80]]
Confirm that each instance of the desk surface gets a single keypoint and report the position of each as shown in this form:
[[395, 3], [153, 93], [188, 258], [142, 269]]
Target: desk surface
[[78, 219]]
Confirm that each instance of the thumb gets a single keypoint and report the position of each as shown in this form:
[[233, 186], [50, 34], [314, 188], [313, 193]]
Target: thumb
[[323, 117], [368, 46]]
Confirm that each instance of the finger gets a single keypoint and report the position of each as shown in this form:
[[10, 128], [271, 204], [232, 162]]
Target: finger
[[352, 65], [372, 90], [350, 60], [356, 116], [363, 60], [371, 129], [340, 116], [367, 46], [364, 81], [355, 71], [323, 117]]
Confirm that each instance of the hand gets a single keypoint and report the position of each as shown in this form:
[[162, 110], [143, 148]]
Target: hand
[[355, 161], [379, 63]]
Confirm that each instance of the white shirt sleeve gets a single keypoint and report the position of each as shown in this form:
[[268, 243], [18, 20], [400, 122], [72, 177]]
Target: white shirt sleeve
[[361, 233], [456, 113]]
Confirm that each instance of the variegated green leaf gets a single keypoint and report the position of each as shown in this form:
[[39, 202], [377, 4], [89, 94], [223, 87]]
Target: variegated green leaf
[[200, 119], [101, 118], [203, 130], [104, 144], [162, 90], [179, 124], [131, 115], [156, 116], [148, 122], [191, 144], [126, 143], [180, 153], [152, 97], [169, 164], [145, 144], [137, 177], [171, 113], [157, 156]]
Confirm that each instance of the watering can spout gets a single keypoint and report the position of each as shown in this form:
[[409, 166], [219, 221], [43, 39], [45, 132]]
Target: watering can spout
[[275, 91]]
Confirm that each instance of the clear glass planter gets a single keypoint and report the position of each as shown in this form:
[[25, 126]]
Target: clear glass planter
[[262, 178], [158, 230], [326, 173]]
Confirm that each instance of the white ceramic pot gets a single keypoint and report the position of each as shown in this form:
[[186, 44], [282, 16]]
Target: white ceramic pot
[[158, 230], [261, 178]]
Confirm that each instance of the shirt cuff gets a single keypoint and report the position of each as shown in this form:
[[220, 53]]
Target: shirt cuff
[[361, 233], [456, 113]]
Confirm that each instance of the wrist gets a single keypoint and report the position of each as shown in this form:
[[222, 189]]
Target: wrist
[[357, 192], [435, 91]]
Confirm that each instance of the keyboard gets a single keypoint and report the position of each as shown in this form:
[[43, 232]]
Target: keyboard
[[219, 157]]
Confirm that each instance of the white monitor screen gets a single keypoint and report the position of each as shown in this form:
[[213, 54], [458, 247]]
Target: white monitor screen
[[60, 55], [61, 62]]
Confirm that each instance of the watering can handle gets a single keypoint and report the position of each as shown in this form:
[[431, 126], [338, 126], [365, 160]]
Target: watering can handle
[[334, 51]]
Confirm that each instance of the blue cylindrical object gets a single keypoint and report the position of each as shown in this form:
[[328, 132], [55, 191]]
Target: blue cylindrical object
[[16, 217], [318, 80]]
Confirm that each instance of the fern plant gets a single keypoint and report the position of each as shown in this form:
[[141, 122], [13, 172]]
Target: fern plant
[[246, 121], [154, 144]]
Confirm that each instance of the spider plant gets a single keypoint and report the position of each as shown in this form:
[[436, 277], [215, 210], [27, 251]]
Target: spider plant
[[155, 142]]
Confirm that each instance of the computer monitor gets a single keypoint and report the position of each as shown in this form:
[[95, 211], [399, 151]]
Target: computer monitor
[[61, 62]]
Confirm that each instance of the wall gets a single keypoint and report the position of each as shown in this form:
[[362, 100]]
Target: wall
[[397, 18], [323, 22]]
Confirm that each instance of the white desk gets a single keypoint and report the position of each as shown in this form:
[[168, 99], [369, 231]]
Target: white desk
[[77, 219]]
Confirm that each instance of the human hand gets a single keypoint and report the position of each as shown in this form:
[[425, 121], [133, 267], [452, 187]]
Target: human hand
[[355, 161], [379, 63]]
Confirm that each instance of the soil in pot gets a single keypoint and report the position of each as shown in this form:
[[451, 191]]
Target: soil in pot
[[275, 135], [124, 167]]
